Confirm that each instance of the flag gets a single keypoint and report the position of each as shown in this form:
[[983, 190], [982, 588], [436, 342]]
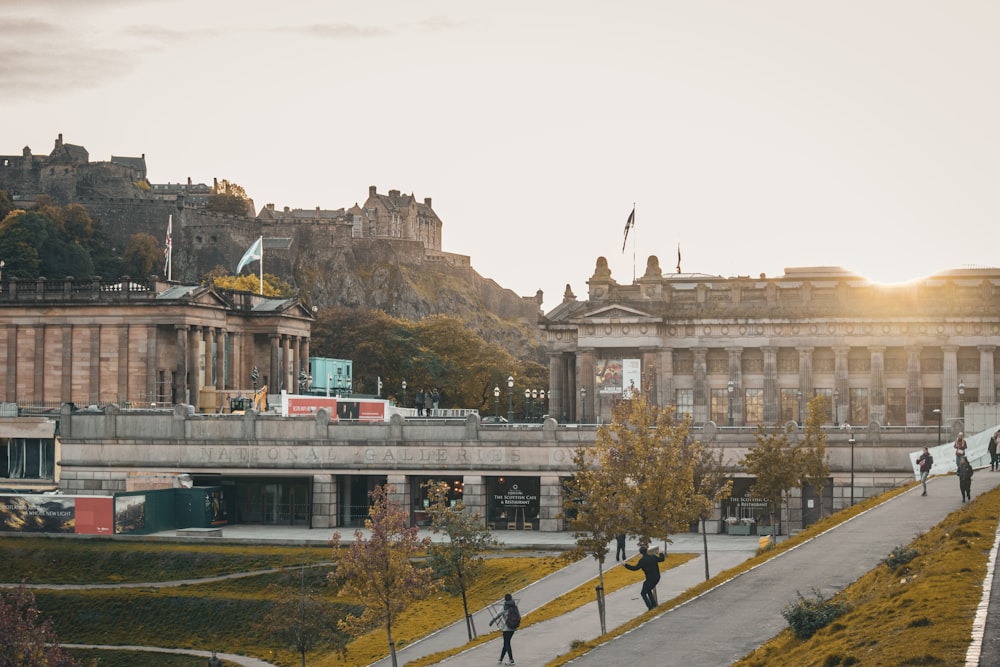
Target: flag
[[678, 258], [168, 248], [252, 254], [629, 224]]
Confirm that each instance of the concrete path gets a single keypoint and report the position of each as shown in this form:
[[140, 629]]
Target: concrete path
[[229, 657], [723, 625]]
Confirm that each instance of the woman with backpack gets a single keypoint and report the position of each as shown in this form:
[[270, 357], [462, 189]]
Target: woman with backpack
[[511, 619]]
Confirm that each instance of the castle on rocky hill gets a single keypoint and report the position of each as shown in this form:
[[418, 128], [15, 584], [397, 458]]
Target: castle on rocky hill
[[363, 255]]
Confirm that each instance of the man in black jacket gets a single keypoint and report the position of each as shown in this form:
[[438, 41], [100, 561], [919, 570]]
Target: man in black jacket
[[650, 565]]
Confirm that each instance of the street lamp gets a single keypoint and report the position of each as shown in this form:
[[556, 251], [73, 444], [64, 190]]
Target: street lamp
[[2, 264], [527, 403], [961, 399], [329, 381], [404, 393], [510, 398], [583, 405], [836, 407], [850, 440], [496, 400], [541, 402], [937, 411], [798, 397], [731, 387]]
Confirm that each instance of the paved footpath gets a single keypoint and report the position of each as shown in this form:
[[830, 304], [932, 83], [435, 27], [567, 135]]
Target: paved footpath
[[721, 626]]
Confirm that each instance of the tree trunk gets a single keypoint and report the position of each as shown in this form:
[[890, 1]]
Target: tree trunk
[[704, 543]]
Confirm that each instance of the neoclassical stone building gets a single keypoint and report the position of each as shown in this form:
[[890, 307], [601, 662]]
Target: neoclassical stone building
[[743, 351]]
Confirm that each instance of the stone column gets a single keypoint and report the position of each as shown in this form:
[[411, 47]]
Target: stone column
[[123, 396], [152, 364], [987, 376], [399, 492], [38, 391], [180, 373], [550, 503], [287, 382], [949, 385], [557, 377], [220, 360], [324, 502], [771, 396], [94, 385], [585, 377], [66, 384], [274, 374], [194, 366], [736, 375], [699, 408], [665, 376], [876, 392], [649, 374], [474, 496], [10, 385], [842, 385], [914, 387]]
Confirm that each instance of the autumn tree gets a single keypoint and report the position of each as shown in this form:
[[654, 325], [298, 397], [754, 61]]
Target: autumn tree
[[250, 282], [380, 571], [712, 485], [459, 560], [302, 620], [229, 198], [780, 465], [26, 640], [143, 256]]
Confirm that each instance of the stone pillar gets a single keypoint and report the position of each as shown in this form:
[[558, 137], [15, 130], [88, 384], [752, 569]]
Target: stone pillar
[[987, 381], [557, 407], [123, 395], [194, 366], [649, 374], [324, 502], [771, 396], [274, 373], [180, 373], [550, 503], [66, 383], [949, 385], [805, 374], [876, 392], [10, 385], [842, 385], [152, 364], [287, 381], [220, 360], [585, 377], [94, 385], [699, 409], [474, 496], [736, 375], [665, 376], [914, 387], [399, 492]]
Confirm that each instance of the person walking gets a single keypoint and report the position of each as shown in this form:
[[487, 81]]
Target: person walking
[[214, 661], [965, 479], [992, 449], [435, 401], [650, 566], [960, 448], [620, 544], [925, 461], [419, 402], [508, 619]]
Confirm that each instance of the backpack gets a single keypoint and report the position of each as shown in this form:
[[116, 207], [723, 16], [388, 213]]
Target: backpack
[[513, 617]]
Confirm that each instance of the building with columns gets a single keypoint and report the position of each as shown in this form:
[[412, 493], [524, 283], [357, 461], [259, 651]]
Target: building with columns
[[743, 351], [142, 344]]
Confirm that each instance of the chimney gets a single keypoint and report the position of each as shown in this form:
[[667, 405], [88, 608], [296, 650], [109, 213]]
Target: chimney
[[427, 200], [286, 209], [189, 180], [270, 206], [393, 194], [371, 190]]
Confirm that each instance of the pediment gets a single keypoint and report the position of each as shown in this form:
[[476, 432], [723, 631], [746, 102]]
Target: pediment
[[616, 311]]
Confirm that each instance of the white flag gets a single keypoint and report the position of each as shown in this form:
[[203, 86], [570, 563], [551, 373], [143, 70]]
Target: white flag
[[252, 254]]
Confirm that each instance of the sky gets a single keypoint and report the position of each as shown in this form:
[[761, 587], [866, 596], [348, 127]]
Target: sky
[[748, 136]]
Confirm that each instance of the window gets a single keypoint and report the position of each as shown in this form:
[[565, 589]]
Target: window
[[895, 406], [859, 406], [789, 409], [685, 403], [753, 406], [720, 406], [27, 458]]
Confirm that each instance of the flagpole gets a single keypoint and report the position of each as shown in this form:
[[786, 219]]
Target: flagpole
[[633, 243], [170, 247], [261, 286]]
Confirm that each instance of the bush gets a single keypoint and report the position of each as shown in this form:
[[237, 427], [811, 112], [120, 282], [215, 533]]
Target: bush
[[807, 616], [900, 556]]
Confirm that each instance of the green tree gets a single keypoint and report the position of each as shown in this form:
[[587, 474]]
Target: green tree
[[459, 560], [302, 620], [26, 640], [36, 246], [712, 485], [229, 198], [781, 465], [379, 571], [143, 256]]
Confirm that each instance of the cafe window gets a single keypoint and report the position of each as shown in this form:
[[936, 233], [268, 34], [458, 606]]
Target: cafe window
[[27, 458], [512, 503]]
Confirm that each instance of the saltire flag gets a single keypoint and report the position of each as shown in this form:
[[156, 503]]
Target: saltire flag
[[168, 248], [678, 258], [252, 254], [629, 224]]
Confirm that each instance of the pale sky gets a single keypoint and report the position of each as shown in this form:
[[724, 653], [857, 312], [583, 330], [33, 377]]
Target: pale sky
[[755, 135]]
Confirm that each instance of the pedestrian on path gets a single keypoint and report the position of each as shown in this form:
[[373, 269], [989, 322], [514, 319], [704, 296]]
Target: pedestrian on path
[[214, 661], [509, 618], [992, 449], [960, 448], [965, 479], [650, 565], [925, 460], [620, 548]]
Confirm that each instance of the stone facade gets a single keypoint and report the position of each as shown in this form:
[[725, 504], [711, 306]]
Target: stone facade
[[742, 352]]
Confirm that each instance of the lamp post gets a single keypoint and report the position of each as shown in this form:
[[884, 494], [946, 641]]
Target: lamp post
[[254, 377], [937, 411], [496, 401], [329, 381], [850, 440], [2, 264], [961, 401], [798, 399], [583, 405], [731, 387], [534, 404], [510, 398], [527, 403], [541, 403], [404, 393], [836, 407], [340, 381]]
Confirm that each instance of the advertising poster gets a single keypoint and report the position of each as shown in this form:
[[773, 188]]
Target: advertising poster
[[37, 514], [631, 376], [130, 513], [95, 515], [609, 377]]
